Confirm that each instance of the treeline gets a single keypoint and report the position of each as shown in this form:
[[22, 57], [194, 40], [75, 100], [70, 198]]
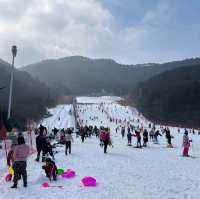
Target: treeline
[[172, 98], [83, 76], [30, 97]]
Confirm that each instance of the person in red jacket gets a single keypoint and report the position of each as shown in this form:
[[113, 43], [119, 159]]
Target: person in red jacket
[[138, 136], [50, 169], [105, 137]]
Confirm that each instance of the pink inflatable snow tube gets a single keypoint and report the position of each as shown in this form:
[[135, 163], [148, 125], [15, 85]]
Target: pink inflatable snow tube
[[89, 181], [8, 178], [45, 185], [69, 174]]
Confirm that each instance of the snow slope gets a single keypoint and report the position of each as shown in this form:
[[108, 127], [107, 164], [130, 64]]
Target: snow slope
[[61, 117], [125, 172], [97, 100]]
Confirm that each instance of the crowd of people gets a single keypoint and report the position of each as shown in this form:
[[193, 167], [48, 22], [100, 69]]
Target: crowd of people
[[46, 143]]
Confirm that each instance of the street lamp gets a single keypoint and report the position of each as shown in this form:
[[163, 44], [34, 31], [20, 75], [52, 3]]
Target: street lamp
[[14, 54]]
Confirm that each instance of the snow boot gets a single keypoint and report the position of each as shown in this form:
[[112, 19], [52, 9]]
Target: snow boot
[[37, 159], [14, 186]]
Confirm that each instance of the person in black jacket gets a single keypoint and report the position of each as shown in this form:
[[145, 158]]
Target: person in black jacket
[[169, 138], [40, 141], [145, 138], [156, 134], [129, 138], [47, 149]]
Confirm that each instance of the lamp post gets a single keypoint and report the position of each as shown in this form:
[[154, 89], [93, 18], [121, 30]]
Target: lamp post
[[14, 54]]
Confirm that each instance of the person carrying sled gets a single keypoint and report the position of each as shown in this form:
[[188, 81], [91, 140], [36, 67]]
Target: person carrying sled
[[186, 144], [21, 152], [50, 169]]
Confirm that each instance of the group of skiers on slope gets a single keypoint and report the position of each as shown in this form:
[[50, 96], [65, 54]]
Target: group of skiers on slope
[[19, 152], [87, 132], [153, 134], [102, 133]]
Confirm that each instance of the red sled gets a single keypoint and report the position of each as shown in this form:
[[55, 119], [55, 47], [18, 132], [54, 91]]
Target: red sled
[[8, 178]]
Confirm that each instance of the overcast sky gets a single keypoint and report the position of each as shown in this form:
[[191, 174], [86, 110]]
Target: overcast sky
[[129, 31]]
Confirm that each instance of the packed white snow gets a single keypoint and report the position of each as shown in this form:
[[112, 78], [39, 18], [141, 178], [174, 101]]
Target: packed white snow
[[62, 117], [155, 172], [97, 100]]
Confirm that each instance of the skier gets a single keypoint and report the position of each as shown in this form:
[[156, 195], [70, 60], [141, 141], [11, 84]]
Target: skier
[[82, 133], [145, 138], [186, 144], [169, 138], [106, 139], [123, 132], [138, 136], [68, 139], [50, 169], [149, 125], [151, 134], [21, 152], [155, 137]]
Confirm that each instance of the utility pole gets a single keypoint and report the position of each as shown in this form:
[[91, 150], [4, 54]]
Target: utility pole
[[14, 54]]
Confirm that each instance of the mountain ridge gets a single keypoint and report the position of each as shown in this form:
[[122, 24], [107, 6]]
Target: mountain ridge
[[81, 75]]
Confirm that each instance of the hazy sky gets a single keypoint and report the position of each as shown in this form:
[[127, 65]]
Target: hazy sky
[[129, 31]]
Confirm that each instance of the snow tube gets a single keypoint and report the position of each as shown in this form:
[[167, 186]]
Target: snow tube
[[8, 178], [45, 185], [89, 181], [69, 174], [60, 171]]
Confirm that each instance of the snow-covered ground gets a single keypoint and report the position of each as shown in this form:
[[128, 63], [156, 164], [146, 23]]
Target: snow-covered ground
[[62, 117], [97, 100], [155, 172]]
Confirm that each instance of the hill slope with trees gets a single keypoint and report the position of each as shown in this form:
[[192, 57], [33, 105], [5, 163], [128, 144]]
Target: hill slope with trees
[[82, 76], [172, 97], [30, 97]]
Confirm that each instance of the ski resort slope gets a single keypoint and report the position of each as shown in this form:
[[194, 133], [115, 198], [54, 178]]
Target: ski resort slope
[[155, 172], [62, 117]]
